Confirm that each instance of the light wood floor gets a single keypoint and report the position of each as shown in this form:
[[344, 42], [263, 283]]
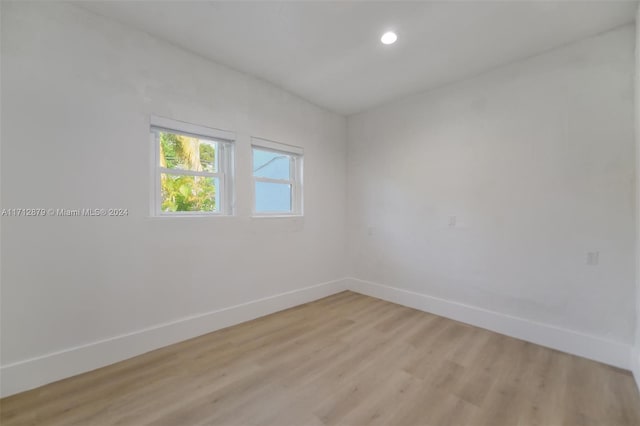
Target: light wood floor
[[346, 359]]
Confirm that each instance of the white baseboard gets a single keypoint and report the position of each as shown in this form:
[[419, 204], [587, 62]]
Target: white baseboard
[[31, 373], [588, 346]]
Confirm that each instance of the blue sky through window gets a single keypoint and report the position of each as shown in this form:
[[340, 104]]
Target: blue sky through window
[[272, 196]]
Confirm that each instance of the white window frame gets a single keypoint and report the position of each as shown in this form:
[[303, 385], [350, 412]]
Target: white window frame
[[225, 165], [296, 155]]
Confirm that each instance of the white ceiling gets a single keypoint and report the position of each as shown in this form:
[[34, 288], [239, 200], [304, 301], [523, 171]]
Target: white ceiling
[[330, 52]]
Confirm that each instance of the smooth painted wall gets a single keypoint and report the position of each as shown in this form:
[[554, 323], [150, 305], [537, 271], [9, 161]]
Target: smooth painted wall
[[77, 94], [635, 356], [535, 160]]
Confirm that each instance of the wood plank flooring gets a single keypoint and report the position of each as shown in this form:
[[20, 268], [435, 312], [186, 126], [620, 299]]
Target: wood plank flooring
[[344, 360]]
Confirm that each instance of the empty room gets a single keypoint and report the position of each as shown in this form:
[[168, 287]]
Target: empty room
[[315, 213]]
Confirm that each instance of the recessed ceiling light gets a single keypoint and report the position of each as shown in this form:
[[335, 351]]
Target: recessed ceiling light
[[389, 37]]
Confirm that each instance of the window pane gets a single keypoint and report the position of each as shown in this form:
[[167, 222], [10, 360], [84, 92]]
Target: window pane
[[187, 153], [273, 197], [269, 164], [189, 193]]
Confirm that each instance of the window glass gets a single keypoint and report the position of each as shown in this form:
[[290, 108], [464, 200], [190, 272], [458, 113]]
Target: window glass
[[182, 193], [187, 153], [273, 197], [277, 176], [194, 169], [269, 164]]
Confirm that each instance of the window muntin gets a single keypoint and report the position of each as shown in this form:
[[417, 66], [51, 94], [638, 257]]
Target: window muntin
[[193, 171], [277, 175]]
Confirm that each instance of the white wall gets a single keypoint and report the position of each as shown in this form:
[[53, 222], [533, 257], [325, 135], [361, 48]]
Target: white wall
[[77, 93], [635, 362], [536, 161]]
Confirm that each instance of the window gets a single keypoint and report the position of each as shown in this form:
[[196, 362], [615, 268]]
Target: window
[[193, 169], [277, 179]]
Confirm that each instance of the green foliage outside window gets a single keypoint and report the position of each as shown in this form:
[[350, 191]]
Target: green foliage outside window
[[187, 193]]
